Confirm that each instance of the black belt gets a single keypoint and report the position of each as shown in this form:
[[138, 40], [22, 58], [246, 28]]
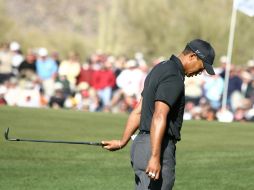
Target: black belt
[[141, 132]]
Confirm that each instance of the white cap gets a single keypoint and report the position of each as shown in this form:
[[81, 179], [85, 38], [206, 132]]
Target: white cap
[[131, 63], [223, 59], [43, 52], [139, 56], [250, 63], [14, 46], [3, 89]]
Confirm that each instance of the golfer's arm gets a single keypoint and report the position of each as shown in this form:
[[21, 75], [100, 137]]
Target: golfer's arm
[[132, 123], [158, 127]]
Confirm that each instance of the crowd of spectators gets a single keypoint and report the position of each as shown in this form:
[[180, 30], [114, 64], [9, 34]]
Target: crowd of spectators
[[107, 83]]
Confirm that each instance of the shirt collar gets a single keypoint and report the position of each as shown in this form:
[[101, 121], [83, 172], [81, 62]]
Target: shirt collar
[[179, 65]]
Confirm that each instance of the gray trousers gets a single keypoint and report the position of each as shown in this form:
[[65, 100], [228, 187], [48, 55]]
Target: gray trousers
[[140, 155]]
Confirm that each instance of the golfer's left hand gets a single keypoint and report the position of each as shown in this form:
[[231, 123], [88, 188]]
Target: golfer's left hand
[[112, 145], [154, 168]]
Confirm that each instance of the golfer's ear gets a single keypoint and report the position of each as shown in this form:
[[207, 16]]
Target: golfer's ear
[[193, 56]]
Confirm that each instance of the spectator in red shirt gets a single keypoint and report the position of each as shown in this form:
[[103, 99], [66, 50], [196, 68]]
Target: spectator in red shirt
[[103, 80], [85, 74]]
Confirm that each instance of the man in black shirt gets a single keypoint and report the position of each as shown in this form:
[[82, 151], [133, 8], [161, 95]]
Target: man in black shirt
[[159, 116]]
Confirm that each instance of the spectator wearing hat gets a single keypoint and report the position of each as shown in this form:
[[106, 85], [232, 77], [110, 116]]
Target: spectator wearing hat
[[17, 56], [5, 63], [46, 69], [130, 82]]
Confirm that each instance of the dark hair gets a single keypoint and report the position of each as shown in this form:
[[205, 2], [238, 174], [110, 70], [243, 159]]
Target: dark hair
[[187, 50]]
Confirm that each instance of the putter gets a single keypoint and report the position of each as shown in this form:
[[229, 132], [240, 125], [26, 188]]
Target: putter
[[49, 141]]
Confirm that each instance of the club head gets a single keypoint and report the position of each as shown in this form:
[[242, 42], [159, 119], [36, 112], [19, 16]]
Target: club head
[[6, 134]]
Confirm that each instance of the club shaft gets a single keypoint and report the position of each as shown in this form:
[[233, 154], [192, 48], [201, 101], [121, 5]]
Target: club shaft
[[58, 141]]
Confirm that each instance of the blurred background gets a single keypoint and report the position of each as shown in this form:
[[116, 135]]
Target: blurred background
[[72, 54], [124, 27]]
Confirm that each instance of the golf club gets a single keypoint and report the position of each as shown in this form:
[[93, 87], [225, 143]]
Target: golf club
[[49, 141]]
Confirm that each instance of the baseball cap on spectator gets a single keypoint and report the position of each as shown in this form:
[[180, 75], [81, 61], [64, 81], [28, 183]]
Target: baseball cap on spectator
[[250, 63], [223, 59], [131, 63], [205, 52], [43, 52], [14, 46]]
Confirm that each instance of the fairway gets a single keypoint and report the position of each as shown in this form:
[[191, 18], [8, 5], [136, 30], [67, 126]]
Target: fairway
[[211, 155]]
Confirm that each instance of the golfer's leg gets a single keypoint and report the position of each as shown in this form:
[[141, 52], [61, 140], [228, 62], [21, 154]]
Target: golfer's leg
[[167, 179], [168, 167], [142, 181], [140, 153]]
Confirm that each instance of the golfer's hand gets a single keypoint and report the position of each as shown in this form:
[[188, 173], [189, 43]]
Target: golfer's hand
[[154, 168], [112, 145]]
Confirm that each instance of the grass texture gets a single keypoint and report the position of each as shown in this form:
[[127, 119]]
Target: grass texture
[[211, 155]]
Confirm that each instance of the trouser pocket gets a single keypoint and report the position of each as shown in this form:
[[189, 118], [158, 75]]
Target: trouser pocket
[[140, 152]]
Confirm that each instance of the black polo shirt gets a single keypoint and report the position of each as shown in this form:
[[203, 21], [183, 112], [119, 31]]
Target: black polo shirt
[[165, 83]]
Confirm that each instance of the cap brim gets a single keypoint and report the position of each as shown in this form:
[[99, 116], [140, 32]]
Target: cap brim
[[209, 68]]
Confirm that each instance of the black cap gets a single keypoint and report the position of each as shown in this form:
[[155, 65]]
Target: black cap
[[205, 52]]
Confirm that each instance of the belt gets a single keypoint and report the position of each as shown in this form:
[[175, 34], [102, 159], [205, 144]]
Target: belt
[[141, 132]]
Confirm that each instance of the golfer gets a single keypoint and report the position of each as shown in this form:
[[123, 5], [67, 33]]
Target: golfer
[[159, 117]]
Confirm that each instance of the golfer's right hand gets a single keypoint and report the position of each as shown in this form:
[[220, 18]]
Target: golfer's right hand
[[112, 145], [154, 168]]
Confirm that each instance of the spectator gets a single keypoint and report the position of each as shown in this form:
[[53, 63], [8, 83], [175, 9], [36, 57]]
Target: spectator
[[117, 68], [66, 85], [103, 81], [46, 69], [130, 83], [57, 100], [12, 91], [86, 98], [234, 85], [29, 95], [55, 56], [85, 74], [27, 68], [5, 63], [240, 115], [193, 89], [17, 57], [70, 68], [213, 89], [250, 88]]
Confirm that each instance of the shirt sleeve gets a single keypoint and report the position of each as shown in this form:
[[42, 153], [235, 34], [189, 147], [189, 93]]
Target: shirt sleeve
[[169, 90]]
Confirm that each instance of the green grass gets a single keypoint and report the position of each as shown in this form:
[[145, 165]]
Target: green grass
[[211, 155]]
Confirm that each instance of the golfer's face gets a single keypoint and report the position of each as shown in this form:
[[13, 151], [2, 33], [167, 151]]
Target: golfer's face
[[196, 68]]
